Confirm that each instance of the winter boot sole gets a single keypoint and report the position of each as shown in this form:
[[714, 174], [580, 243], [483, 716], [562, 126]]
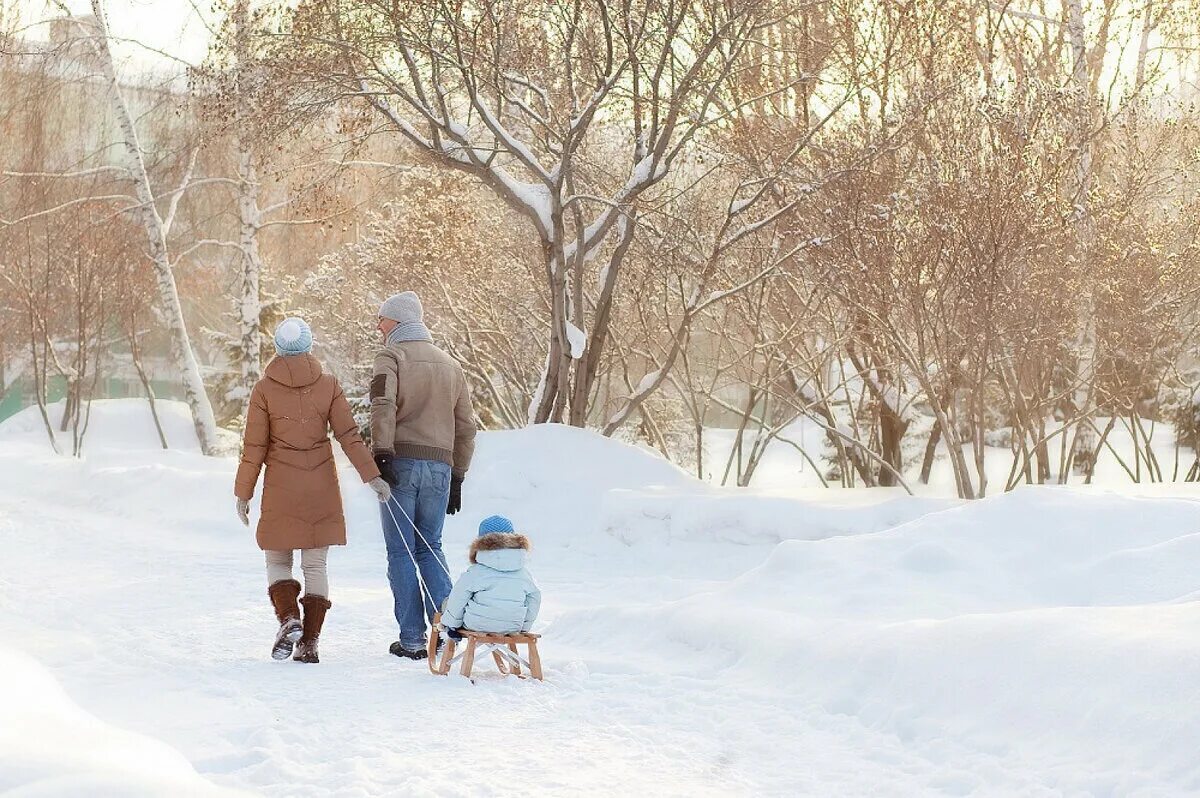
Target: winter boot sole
[[404, 653], [289, 633]]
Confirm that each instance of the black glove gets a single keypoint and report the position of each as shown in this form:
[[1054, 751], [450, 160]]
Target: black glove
[[455, 503], [383, 461]]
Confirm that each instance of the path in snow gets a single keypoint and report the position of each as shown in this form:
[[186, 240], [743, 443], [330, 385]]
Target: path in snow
[[166, 632]]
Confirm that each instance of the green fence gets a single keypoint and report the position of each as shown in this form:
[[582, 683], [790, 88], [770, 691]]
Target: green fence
[[22, 395]]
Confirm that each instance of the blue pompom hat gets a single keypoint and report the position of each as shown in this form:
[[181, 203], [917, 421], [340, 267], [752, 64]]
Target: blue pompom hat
[[293, 337], [495, 524]]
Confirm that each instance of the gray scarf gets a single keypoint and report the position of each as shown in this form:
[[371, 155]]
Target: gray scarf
[[409, 331]]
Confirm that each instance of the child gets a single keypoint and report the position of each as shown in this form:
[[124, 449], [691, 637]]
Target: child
[[496, 594]]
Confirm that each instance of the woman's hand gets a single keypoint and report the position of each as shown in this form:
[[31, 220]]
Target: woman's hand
[[383, 491], [243, 511]]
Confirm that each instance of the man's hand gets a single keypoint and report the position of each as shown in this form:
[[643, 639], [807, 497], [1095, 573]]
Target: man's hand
[[243, 511], [455, 503], [383, 461]]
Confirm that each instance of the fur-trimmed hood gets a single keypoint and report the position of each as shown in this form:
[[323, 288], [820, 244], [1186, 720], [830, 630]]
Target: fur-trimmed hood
[[500, 550]]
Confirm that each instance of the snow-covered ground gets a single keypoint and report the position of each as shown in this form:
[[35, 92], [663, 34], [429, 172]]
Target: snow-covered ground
[[698, 641]]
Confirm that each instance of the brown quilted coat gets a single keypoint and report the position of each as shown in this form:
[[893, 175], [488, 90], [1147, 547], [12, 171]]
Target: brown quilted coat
[[292, 409]]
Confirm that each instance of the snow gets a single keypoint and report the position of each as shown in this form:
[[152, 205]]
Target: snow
[[577, 339], [649, 169], [518, 147], [703, 513], [641, 172], [591, 235], [1030, 627], [697, 640], [647, 382], [783, 468], [539, 393], [51, 747], [114, 425], [13, 372], [890, 394], [535, 196]]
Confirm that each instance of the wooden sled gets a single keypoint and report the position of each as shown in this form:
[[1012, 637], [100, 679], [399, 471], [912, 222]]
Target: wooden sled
[[503, 649]]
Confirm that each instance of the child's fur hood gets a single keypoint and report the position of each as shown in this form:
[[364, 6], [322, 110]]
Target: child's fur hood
[[498, 540]]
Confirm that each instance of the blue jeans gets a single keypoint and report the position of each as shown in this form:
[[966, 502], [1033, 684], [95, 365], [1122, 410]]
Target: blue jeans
[[422, 490]]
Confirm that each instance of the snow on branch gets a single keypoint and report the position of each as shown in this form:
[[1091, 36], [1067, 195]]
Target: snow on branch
[[514, 145], [1006, 9], [67, 175], [173, 206], [208, 242], [645, 173], [68, 204], [577, 339]]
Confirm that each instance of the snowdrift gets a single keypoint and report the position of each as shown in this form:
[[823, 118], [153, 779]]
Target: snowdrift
[[743, 516], [50, 747], [1046, 626], [563, 472], [114, 425]]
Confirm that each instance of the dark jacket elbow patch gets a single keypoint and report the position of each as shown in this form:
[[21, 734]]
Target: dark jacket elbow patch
[[379, 386]]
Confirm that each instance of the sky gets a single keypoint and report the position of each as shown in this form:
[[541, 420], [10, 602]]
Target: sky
[[171, 26]]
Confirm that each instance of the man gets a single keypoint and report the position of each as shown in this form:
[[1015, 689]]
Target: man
[[423, 435]]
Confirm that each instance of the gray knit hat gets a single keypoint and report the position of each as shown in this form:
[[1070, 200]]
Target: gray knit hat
[[403, 307]]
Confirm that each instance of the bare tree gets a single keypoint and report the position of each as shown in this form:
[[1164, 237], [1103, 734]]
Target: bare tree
[[476, 90], [156, 227]]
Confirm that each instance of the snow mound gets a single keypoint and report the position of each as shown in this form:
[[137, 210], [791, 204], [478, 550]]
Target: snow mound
[[558, 473], [114, 425], [1029, 549], [51, 747], [743, 516], [1043, 626]]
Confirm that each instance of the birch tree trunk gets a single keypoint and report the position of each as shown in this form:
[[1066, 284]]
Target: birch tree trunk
[[1139, 80], [249, 308], [147, 213], [1081, 215]]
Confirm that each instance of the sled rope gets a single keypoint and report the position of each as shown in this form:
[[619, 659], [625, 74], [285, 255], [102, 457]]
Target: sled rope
[[417, 529], [425, 594]]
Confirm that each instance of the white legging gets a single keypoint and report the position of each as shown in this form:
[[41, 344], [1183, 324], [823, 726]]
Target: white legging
[[312, 563]]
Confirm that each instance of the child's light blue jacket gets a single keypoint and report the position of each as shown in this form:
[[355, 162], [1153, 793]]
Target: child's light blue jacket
[[496, 594]]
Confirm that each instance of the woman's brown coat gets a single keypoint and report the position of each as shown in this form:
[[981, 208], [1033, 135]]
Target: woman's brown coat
[[291, 411]]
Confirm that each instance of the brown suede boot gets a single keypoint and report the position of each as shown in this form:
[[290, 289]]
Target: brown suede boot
[[283, 596], [314, 618]]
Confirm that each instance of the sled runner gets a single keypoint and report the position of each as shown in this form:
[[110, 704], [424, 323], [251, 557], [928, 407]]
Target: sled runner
[[503, 649]]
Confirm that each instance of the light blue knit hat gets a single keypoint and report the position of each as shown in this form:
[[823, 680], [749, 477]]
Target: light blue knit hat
[[495, 524], [293, 337]]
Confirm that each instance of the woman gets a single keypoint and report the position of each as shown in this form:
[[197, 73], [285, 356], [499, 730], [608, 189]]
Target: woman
[[291, 411]]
